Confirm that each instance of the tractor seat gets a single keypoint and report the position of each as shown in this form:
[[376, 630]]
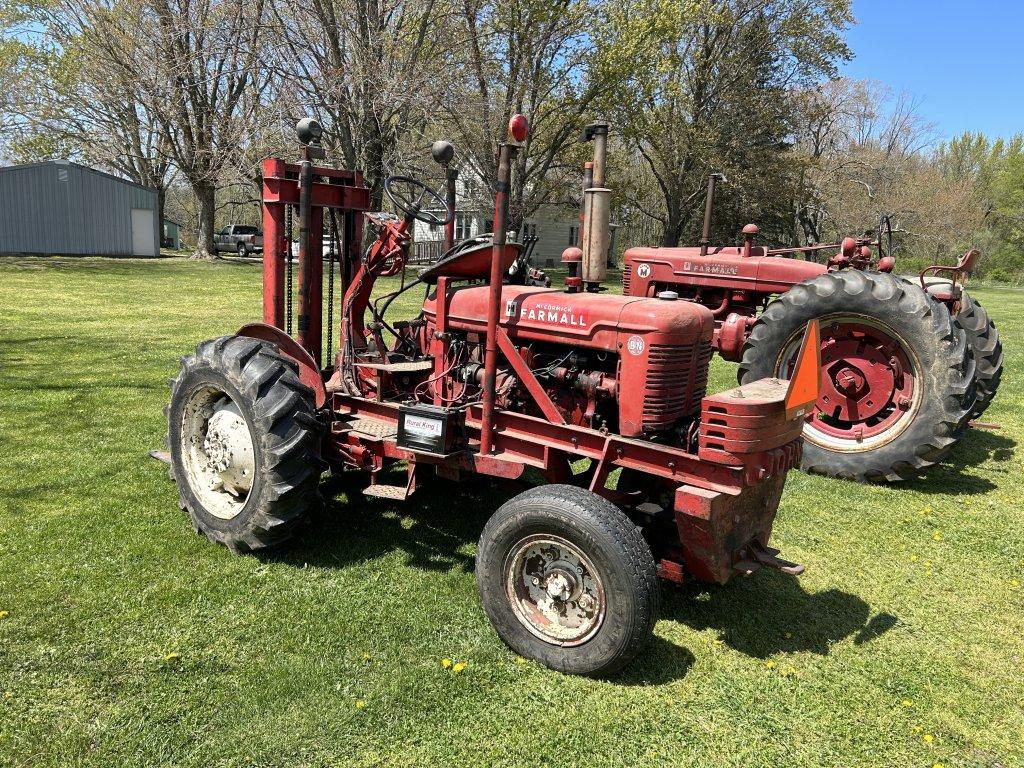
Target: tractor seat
[[470, 259]]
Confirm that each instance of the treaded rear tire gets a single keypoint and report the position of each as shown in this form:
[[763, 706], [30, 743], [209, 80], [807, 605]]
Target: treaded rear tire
[[280, 413], [985, 343], [615, 547], [945, 357]]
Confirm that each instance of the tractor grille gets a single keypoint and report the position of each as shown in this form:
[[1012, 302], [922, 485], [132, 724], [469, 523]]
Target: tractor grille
[[677, 378], [627, 273]]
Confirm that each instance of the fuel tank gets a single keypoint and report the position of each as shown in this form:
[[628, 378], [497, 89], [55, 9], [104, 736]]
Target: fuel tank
[[664, 346], [649, 270]]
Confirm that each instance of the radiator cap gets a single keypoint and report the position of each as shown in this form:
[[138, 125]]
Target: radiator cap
[[668, 295]]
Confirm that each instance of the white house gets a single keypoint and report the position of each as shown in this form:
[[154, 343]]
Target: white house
[[555, 227]]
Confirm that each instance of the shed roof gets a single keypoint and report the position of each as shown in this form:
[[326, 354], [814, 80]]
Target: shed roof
[[104, 174]]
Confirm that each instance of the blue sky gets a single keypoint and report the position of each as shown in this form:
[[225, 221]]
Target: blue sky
[[962, 60]]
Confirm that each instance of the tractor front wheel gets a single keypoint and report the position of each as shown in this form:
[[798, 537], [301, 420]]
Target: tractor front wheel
[[244, 443], [568, 580], [897, 384]]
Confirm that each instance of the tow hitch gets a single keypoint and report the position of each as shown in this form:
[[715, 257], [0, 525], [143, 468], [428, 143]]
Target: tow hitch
[[757, 555]]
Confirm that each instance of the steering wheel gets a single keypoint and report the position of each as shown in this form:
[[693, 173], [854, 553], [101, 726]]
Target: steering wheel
[[402, 192]]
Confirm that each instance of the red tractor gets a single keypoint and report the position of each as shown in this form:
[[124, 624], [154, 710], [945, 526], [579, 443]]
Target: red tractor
[[488, 379], [906, 362]]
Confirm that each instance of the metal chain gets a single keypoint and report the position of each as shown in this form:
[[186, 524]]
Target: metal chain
[[288, 270], [330, 288]]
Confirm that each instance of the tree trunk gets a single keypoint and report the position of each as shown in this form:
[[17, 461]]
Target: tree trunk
[[672, 229], [206, 195]]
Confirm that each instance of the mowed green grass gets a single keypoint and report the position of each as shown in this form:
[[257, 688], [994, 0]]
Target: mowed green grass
[[127, 640]]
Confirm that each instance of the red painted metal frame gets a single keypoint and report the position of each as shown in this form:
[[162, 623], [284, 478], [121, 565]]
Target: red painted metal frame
[[340, 190]]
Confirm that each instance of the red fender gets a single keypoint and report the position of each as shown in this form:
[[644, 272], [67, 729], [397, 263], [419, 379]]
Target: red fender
[[309, 371]]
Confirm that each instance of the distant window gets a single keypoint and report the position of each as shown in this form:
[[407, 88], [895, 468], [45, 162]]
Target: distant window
[[574, 235], [463, 225], [62, 174], [246, 231]]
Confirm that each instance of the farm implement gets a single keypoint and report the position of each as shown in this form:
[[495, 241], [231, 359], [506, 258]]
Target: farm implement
[[599, 400]]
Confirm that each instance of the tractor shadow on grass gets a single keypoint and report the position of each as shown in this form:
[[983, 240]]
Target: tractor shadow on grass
[[978, 447], [437, 528], [769, 613]]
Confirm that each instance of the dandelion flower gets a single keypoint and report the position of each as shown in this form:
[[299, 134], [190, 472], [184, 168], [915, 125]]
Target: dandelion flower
[[937, 536], [770, 664], [459, 667], [446, 663], [4, 614], [172, 656], [908, 703], [1013, 583], [360, 704], [928, 738], [366, 657], [520, 660], [938, 765], [913, 558]]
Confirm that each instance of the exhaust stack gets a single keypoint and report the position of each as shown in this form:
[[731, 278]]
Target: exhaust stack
[[596, 235]]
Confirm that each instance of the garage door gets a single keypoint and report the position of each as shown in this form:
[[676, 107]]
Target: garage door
[[143, 232]]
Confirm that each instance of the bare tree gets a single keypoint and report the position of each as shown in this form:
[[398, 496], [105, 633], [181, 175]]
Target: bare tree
[[367, 69], [531, 56]]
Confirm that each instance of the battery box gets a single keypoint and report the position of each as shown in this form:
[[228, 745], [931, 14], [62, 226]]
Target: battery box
[[431, 429]]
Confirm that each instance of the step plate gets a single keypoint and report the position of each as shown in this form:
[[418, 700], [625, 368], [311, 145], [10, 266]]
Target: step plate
[[374, 428], [396, 492]]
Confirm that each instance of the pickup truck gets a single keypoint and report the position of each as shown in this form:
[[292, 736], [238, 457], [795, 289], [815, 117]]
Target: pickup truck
[[243, 239]]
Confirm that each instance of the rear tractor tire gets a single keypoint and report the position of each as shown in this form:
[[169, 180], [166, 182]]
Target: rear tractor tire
[[983, 337], [244, 441], [897, 373], [567, 579]]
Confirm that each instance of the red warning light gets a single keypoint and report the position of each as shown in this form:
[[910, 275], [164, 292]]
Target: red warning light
[[518, 128]]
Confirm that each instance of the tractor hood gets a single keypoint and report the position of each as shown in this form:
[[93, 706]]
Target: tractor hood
[[650, 269], [593, 320]]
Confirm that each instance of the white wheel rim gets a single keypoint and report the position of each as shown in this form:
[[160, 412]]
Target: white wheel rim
[[554, 590], [217, 452]]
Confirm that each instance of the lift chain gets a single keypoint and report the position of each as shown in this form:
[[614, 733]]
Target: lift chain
[[331, 257], [288, 270]]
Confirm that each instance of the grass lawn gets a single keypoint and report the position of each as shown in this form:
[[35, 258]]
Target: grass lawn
[[127, 640]]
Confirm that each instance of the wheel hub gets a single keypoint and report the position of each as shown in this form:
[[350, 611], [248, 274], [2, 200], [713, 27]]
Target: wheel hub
[[217, 452], [867, 383], [229, 450], [554, 589]]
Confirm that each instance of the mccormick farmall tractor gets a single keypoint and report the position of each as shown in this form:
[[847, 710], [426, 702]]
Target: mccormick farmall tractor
[[488, 379], [906, 362]]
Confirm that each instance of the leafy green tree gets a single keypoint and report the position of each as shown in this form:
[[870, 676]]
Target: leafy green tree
[[707, 85]]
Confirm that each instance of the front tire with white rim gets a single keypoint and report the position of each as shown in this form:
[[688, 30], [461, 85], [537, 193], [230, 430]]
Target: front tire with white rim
[[244, 443], [567, 579]]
